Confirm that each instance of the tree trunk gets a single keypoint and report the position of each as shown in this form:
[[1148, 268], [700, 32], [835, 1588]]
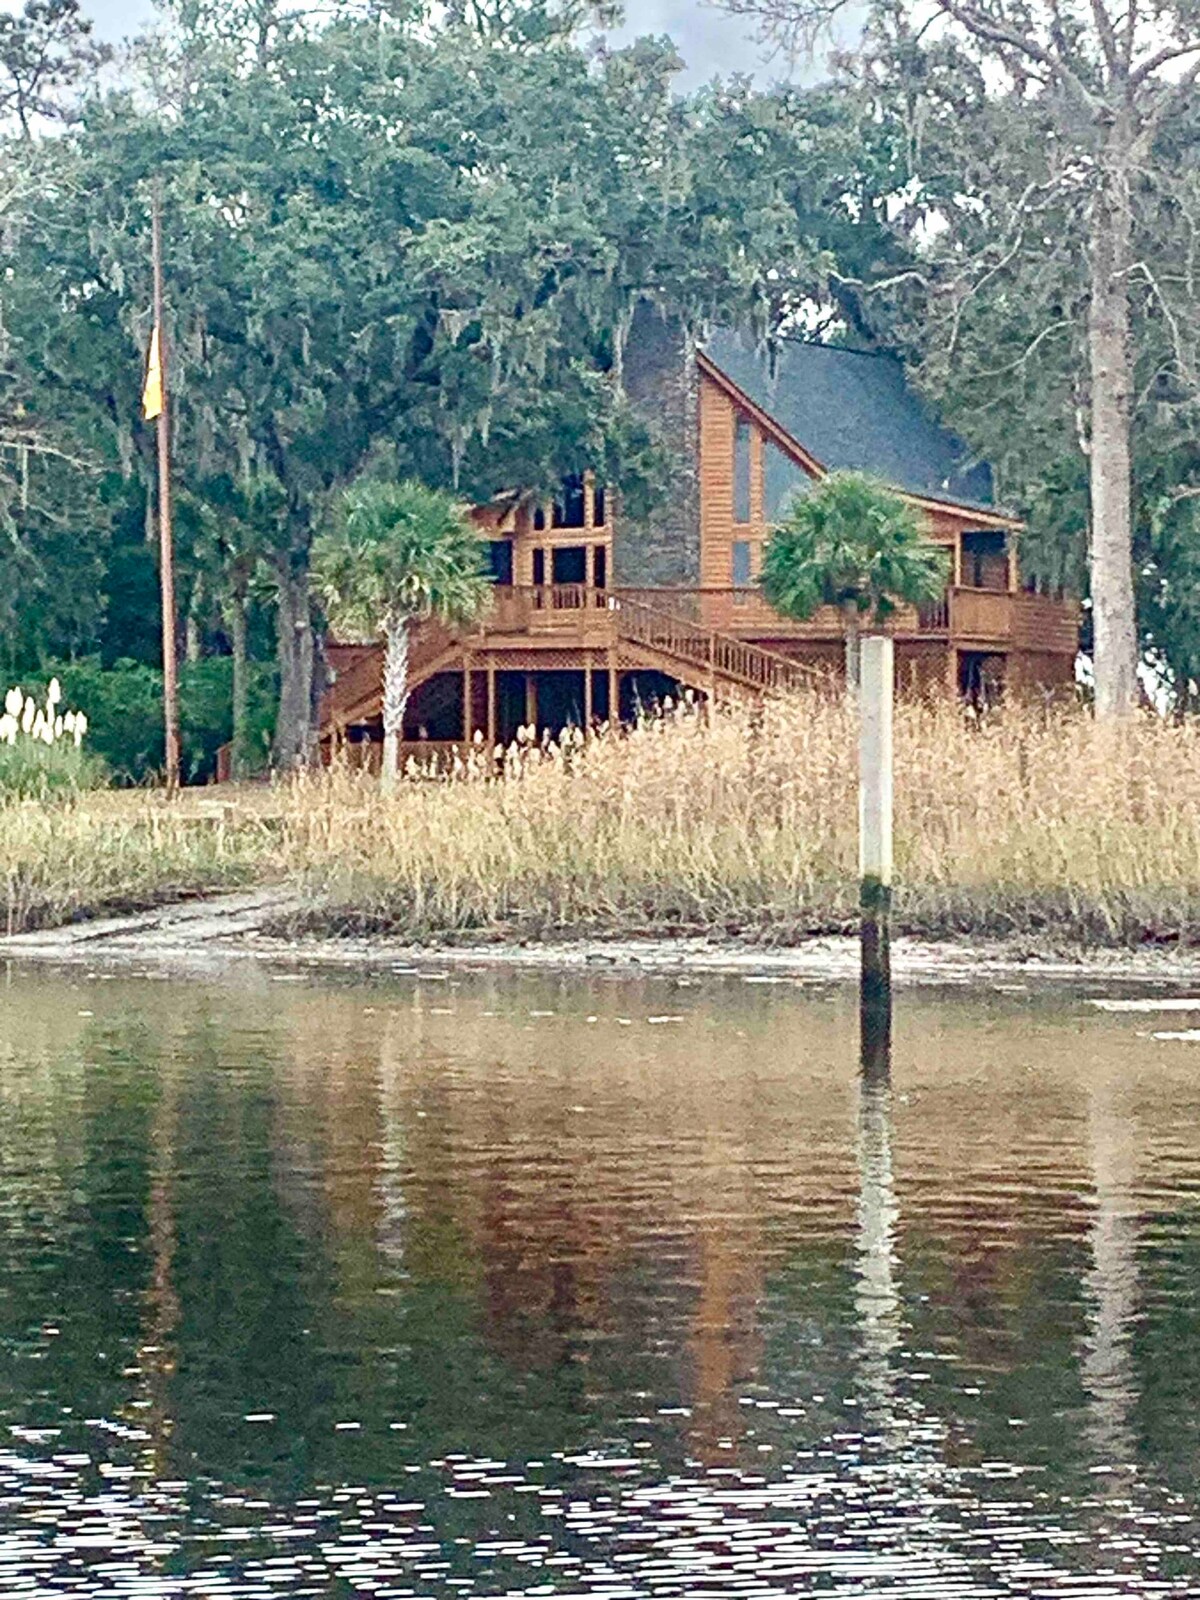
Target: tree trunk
[[851, 622], [395, 698], [237, 639], [293, 737], [1114, 617]]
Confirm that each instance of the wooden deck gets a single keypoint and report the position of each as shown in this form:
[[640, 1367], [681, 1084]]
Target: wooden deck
[[725, 642]]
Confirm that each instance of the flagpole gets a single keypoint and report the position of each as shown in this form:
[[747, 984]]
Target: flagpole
[[166, 561]]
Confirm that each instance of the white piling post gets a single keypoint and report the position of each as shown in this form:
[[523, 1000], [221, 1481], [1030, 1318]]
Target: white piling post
[[875, 849]]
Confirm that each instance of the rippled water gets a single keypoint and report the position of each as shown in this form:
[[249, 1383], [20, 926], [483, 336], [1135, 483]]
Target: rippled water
[[463, 1285]]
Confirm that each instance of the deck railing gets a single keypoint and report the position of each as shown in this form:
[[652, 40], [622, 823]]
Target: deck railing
[[706, 628]]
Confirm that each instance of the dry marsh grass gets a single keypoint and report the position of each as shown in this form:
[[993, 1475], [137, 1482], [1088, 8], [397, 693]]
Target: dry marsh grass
[[84, 855], [1034, 823]]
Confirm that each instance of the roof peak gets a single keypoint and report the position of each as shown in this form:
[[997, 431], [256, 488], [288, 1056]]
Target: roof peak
[[862, 415]]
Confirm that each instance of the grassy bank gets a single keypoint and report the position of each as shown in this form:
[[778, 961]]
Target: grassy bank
[[1036, 824], [98, 853]]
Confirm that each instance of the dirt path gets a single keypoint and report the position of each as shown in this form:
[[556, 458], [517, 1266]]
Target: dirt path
[[218, 927], [203, 934]]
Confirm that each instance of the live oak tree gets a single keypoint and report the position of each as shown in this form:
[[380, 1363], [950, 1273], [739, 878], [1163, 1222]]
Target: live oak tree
[[378, 235], [377, 232], [398, 553], [1083, 102], [855, 544]]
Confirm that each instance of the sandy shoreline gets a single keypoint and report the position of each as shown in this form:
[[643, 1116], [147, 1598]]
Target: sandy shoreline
[[206, 935]]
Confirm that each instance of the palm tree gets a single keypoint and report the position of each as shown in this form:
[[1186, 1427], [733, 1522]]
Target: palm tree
[[855, 544], [394, 554]]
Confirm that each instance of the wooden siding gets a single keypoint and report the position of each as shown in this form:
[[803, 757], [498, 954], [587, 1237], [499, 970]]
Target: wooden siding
[[719, 416]]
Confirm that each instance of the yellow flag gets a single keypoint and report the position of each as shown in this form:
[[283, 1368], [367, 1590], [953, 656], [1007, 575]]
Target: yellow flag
[[152, 394]]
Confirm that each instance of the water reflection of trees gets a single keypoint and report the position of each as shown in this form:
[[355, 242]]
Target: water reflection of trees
[[515, 1235]]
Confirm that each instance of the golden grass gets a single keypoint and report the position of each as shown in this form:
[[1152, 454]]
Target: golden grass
[[1036, 823], [93, 853]]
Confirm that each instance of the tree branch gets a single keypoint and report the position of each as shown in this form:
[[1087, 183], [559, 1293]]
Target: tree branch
[[1168, 53], [981, 26], [1108, 38]]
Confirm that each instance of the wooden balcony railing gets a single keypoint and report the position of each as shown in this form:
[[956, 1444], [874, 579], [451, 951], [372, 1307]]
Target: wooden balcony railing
[[982, 616], [719, 631], [551, 607]]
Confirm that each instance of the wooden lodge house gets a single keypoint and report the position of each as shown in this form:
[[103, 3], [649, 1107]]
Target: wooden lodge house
[[596, 613]]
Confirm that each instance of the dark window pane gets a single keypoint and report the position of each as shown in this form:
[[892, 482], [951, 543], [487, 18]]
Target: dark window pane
[[568, 507], [600, 567], [984, 560], [569, 564], [500, 560], [741, 563], [539, 566], [741, 470], [539, 519], [598, 506]]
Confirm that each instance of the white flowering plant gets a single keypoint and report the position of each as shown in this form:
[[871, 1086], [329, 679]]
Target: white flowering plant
[[41, 745]]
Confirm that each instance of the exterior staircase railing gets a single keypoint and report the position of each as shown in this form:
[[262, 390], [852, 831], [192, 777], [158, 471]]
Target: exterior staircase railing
[[715, 655]]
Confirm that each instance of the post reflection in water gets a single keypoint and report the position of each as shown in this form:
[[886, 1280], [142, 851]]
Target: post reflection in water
[[877, 1295], [447, 1286], [1111, 1285]]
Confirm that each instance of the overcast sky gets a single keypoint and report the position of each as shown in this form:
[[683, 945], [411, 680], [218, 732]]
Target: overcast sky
[[710, 41]]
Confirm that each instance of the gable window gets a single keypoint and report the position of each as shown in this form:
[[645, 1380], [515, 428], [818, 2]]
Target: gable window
[[569, 504], [783, 482], [500, 561], [741, 563], [741, 470]]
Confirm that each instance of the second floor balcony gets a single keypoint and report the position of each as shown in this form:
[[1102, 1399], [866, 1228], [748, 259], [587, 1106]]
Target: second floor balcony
[[973, 618]]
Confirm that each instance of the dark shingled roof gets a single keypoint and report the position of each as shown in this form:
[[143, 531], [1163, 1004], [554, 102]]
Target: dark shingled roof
[[853, 409]]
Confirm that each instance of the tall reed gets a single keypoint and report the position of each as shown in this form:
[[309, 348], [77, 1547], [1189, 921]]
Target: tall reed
[[1035, 822]]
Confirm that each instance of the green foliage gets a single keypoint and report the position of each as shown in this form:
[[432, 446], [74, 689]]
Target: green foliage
[[375, 231], [990, 186], [206, 716], [1169, 594], [851, 543], [398, 551], [31, 770], [125, 716]]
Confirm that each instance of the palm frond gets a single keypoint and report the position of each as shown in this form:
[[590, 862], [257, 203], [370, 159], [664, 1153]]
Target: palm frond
[[396, 551], [851, 542]]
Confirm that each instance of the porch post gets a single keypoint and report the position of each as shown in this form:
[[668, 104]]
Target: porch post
[[531, 705], [491, 711], [467, 729], [614, 689], [587, 690]]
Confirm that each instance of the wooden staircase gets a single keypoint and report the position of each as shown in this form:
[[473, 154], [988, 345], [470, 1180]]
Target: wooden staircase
[[647, 628], [701, 657], [357, 692]]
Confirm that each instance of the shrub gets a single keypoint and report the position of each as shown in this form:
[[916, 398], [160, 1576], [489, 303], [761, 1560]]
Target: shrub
[[125, 702], [41, 746]]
